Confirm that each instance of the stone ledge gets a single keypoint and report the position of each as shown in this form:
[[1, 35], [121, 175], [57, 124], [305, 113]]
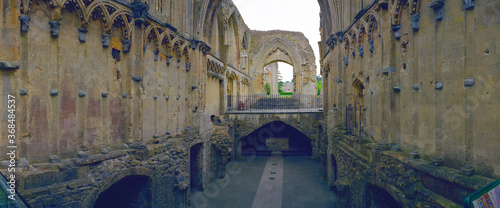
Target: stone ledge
[[9, 65], [98, 158]]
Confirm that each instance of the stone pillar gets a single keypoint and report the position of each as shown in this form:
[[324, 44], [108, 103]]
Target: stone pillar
[[140, 12]]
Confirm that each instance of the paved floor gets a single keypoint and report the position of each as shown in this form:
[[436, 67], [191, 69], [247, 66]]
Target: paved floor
[[248, 187]]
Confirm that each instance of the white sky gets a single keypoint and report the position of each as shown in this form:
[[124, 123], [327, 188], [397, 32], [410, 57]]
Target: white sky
[[292, 15]]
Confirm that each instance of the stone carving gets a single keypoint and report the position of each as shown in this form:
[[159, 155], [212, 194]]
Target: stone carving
[[194, 44], [25, 19], [415, 18], [404, 43], [137, 78], [9, 65], [396, 89], [81, 93], [437, 5], [23, 92], [124, 95], [346, 60], [204, 48], [360, 51], [126, 45], [416, 87], [469, 4], [188, 66], [105, 40], [169, 59], [370, 48], [54, 93], [397, 31], [469, 82], [155, 97], [139, 12], [104, 94], [156, 55], [439, 86], [178, 63], [82, 34], [54, 28], [340, 36]]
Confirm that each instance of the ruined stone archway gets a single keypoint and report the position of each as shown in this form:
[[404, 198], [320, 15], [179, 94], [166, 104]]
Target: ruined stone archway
[[275, 136], [130, 191], [288, 47], [379, 198], [138, 178]]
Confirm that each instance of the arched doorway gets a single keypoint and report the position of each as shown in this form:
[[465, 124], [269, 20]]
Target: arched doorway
[[333, 171], [379, 198], [196, 166], [276, 136], [131, 191], [355, 118]]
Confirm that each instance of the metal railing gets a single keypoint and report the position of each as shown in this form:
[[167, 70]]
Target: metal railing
[[274, 103], [8, 197]]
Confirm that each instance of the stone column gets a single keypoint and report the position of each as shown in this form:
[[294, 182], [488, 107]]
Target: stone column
[[139, 12]]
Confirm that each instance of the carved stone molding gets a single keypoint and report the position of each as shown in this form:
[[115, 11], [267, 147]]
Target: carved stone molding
[[54, 28], [25, 19], [415, 26], [437, 5], [105, 40], [139, 12], [397, 31], [82, 34], [126, 45]]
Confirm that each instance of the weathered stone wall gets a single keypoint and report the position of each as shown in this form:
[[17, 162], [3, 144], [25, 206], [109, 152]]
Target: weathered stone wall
[[399, 73]]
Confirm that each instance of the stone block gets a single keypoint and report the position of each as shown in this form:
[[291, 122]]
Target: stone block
[[54, 28], [416, 87], [9, 65], [81, 93], [105, 40], [54, 93], [54, 159], [82, 154], [439, 86], [469, 82], [386, 70], [82, 34]]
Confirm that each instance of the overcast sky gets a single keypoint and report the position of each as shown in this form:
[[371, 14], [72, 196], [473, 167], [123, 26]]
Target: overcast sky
[[292, 15]]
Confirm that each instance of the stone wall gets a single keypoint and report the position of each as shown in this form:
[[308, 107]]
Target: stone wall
[[416, 76]]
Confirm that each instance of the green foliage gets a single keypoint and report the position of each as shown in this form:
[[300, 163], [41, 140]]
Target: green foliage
[[318, 82], [268, 89], [280, 86]]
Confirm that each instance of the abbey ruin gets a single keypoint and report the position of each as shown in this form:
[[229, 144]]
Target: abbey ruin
[[132, 103]]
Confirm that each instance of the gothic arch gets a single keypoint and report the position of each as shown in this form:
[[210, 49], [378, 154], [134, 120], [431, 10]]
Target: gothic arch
[[282, 49], [134, 171]]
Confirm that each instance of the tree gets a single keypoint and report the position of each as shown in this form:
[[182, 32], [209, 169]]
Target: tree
[[318, 82], [268, 89]]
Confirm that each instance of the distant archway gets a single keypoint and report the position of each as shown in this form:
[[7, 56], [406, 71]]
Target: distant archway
[[130, 191], [286, 50]]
